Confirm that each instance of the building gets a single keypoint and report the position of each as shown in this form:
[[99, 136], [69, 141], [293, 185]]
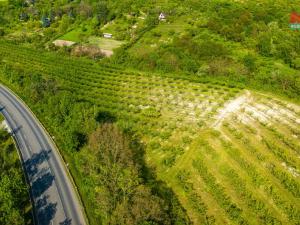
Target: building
[[107, 35], [162, 17]]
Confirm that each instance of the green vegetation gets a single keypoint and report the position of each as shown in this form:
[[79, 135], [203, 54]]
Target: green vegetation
[[243, 43], [15, 206], [179, 125], [168, 134], [77, 35], [116, 181], [72, 114], [103, 43]]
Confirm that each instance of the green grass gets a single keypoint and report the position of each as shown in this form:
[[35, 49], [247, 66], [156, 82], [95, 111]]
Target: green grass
[[122, 29], [115, 27], [77, 35], [105, 43]]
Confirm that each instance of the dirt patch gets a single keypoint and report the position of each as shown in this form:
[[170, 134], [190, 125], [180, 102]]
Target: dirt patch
[[4, 125], [63, 43], [291, 170], [107, 53], [87, 50], [231, 107]]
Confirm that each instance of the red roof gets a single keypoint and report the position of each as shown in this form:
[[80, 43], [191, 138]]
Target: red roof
[[295, 18]]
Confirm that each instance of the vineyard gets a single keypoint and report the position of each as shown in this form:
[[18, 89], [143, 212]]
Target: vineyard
[[232, 156]]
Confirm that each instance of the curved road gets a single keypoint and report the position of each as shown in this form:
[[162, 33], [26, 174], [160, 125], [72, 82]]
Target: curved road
[[55, 200]]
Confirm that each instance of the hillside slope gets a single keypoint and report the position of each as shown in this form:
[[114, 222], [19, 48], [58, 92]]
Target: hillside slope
[[243, 42], [230, 155], [204, 103]]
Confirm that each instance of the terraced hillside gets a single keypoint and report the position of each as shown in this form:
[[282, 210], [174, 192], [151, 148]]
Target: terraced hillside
[[232, 156]]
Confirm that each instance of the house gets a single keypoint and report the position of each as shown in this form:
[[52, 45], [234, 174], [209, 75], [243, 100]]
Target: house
[[107, 35], [162, 17]]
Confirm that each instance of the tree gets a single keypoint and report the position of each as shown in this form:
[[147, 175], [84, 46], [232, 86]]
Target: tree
[[296, 63], [152, 20], [264, 44], [64, 24], [23, 16], [249, 62], [16, 3], [2, 32], [102, 12], [121, 195], [45, 22]]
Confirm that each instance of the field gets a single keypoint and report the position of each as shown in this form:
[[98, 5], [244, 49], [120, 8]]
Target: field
[[124, 28], [78, 34], [105, 43], [232, 156], [84, 34]]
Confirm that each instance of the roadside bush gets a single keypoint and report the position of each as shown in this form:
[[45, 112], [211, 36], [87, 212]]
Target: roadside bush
[[2, 32], [250, 62]]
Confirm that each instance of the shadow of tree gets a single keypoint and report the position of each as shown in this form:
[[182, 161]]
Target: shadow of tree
[[41, 179], [45, 211], [175, 210], [31, 165], [16, 130], [66, 222], [41, 184], [105, 117], [42, 202]]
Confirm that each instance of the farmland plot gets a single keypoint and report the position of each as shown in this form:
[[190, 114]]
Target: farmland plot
[[250, 157], [231, 156]]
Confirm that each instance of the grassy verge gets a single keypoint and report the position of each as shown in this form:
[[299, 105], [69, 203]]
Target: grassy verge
[[15, 204]]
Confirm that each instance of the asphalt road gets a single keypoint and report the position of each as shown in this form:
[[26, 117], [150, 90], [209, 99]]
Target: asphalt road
[[55, 200]]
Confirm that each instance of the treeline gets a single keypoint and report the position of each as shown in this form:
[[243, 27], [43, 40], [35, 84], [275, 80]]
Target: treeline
[[214, 60], [266, 25], [53, 19], [58, 17], [246, 43], [15, 207]]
